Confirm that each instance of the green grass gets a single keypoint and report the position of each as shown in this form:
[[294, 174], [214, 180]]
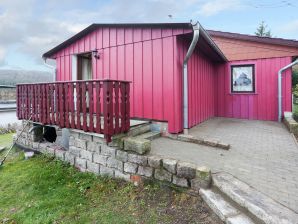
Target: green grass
[[45, 190], [295, 111], [6, 139]]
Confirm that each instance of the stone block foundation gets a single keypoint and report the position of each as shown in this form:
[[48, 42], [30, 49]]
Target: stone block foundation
[[89, 153]]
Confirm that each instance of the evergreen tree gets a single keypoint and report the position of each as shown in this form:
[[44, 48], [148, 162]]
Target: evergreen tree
[[262, 30]]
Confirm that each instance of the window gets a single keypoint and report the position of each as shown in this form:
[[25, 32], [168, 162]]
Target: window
[[243, 78]]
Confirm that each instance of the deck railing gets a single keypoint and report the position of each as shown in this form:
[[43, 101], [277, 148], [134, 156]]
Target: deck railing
[[100, 106]]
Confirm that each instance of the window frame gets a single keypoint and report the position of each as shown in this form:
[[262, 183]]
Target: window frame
[[253, 91]]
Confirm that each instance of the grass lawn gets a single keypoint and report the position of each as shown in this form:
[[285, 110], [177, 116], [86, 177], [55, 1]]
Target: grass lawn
[[45, 190], [295, 111]]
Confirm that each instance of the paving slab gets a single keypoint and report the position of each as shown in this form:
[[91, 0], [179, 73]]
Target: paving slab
[[263, 154]]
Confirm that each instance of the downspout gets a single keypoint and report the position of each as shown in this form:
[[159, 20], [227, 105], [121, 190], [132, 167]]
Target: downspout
[[51, 67], [280, 87], [196, 34]]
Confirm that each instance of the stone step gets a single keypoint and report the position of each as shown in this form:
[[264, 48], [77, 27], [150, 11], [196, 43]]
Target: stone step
[[151, 135], [225, 210], [256, 203], [139, 129], [140, 144]]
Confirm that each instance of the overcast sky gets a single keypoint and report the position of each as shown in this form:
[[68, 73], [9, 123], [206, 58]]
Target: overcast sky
[[28, 28]]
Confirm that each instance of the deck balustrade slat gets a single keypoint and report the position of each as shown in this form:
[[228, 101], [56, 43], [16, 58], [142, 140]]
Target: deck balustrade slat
[[74, 104]]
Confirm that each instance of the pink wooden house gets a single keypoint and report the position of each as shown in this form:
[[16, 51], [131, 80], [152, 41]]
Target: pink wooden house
[[177, 73]]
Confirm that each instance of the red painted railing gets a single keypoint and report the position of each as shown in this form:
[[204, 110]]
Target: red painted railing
[[100, 106]]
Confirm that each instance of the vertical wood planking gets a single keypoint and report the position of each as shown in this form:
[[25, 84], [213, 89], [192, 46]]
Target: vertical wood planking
[[98, 106], [147, 79], [262, 105], [91, 106], [84, 106], [61, 106], [127, 106], [116, 107], [67, 101], [72, 108], [108, 109], [138, 80], [78, 92]]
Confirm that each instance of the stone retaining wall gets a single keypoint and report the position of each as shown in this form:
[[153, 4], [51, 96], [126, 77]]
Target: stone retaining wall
[[89, 152], [291, 124]]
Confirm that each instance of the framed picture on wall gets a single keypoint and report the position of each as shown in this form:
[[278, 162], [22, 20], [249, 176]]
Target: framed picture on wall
[[243, 78]]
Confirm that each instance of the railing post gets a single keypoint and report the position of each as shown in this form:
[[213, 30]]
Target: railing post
[[127, 107], [98, 102], [18, 102], [108, 109], [116, 103], [91, 105], [84, 105]]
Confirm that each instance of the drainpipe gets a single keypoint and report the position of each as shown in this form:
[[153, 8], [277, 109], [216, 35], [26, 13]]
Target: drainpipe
[[280, 88], [196, 34], [51, 67]]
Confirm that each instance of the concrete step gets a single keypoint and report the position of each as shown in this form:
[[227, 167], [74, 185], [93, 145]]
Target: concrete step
[[225, 210], [260, 206], [151, 135], [140, 144], [139, 129]]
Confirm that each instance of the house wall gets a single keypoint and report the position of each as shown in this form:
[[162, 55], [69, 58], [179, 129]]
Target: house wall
[[201, 90], [147, 57], [262, 105]]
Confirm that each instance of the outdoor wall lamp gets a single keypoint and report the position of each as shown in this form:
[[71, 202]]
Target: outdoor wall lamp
[[96, 54]]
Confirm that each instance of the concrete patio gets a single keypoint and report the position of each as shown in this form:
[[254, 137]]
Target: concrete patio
[[263, 154]]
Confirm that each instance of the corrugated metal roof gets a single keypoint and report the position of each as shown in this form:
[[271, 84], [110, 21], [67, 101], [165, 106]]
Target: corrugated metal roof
[[267, 40]]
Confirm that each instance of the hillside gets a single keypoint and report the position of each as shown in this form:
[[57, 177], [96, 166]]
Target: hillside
[[12, 77]]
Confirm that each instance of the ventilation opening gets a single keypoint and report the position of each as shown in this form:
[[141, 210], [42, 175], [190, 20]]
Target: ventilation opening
[[50, 134]]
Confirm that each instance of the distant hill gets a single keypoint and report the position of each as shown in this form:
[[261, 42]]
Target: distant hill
[[12, 77]]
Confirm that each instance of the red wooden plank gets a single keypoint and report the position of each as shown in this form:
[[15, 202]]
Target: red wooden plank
[[147, 79], [138, 80], [120, 36], [44, 104], [108, 109], [72, 109], [116, 106], [127, 107], [78, 92], [98, 102], [113, 37], [53, 97], [33, 102], [66, 100], [113, 60], [106, 37], [49, 95], [123, 106], [91, 106], [129, 72], [39, 104], [18, 102], [57, 106], [27, 101], [62, 104], [157, 80], [84, 106], [137, 35], [128, 35]]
